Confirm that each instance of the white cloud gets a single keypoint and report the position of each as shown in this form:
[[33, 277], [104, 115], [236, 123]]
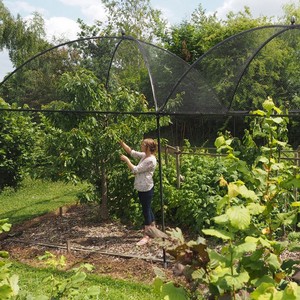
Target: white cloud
[[94, 12], [66, 28], [91, 9], [61, 27]]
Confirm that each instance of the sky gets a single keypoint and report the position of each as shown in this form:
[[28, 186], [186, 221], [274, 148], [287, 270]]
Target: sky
[[61, 15]]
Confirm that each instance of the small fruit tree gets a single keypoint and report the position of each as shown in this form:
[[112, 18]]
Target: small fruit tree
[[81, 145]]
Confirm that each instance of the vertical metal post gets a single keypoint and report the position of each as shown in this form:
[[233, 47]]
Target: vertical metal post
[[177, 153], [296, 163], [160, 184], [296, 189]]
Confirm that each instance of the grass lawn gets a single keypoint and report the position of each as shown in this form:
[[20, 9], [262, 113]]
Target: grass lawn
[[31, 281], [35, 198]]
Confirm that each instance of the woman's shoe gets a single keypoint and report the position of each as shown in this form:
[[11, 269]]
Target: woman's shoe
[[153, 224], [143, 241]]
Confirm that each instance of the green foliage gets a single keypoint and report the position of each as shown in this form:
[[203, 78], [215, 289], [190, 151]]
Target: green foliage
[[52, 261], [36, 283], [31, 282], [8, 283], [272, 72], [9, 287], [4, 225], [81, 147], [191, 39], [168, 290], [16, 144], [132, 18], [249, 220], [135, 18], [36, 83], [44, 284], [193, 204], [23, 38], [72, 287]]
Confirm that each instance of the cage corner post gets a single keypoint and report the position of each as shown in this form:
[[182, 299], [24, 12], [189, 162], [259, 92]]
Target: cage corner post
[[160, 182]]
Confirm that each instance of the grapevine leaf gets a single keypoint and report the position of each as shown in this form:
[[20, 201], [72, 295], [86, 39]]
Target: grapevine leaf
[[222, 234], [219, 141], [241, 249], [237, 281], [239, 217], [292, 291], [248, 194], [255, 208], [223, 219], [273, 262], [233, 190]]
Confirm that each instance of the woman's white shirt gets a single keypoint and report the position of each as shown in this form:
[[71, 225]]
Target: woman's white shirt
[[143, 171]]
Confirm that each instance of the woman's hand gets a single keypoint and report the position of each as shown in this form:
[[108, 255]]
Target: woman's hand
[[124, 158], [128, 162]]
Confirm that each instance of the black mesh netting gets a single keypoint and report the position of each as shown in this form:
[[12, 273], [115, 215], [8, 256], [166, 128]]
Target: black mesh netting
[[242, 71], [236, 75]]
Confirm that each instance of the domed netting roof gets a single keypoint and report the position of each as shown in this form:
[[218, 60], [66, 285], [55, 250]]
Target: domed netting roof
[[171, 85], [223, 72]]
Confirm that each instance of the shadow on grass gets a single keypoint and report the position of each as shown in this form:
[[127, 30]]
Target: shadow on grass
[[36, 209]]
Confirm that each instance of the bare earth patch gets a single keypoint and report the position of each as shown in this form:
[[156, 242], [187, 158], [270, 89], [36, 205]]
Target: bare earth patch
[[76, 233]]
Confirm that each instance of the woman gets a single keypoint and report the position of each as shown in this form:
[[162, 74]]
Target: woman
[[143, 181]]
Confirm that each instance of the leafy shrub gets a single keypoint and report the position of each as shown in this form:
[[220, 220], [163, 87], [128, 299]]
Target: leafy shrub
[[193, 204], [248, 262], [16, 144]]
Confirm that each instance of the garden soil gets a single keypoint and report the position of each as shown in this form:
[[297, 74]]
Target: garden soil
[[76, 233]]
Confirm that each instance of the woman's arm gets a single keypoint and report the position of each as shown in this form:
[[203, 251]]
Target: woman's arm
[[128, 162], [125, 147]]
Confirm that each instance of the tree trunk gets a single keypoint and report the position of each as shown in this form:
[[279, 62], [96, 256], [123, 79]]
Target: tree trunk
[[104, 205]]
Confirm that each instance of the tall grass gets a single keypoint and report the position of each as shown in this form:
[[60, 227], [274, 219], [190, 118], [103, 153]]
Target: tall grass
[[35, 198]]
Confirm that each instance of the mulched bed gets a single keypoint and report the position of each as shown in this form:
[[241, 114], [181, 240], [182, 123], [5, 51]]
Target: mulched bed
[[77, 233]]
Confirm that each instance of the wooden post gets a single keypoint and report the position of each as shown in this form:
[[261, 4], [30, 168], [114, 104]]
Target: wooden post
[[166, 154], [68, 246]]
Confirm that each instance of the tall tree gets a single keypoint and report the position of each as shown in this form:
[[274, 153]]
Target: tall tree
[[192, 38], [22, 38], [134, 17], [34, 83]]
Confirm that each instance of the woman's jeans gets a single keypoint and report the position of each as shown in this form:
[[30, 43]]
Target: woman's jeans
[[145, 200]]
